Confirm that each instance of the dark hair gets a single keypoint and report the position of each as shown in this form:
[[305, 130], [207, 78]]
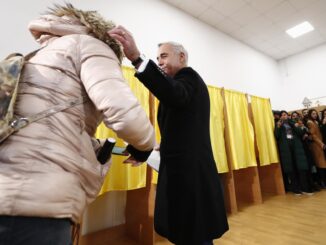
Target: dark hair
[[310, 112], [276, 114], [281, 112], [295, 112]]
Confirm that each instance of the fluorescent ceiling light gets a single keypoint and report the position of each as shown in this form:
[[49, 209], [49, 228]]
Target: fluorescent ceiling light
[[300, 29]]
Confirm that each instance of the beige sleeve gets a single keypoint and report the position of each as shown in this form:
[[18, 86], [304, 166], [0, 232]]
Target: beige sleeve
[[102, 77]]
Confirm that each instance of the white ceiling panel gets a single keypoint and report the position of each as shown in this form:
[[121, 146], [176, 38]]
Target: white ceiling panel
[[208, 2], [301, 4], [289, 46], [263, 5], [280, 11], [322, 31], [228, 25], [261, 24], [311, 39], [318, 20], [290, 21], [316, 7], [270, 32], [245, 14], [227, 7], [241, 34], [211, 16], [281, 39], [193, 7]]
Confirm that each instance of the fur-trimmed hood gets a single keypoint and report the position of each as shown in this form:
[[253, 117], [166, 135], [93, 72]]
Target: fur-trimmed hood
[[65, 20]]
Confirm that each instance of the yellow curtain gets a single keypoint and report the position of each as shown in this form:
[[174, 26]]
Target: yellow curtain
[[264, 128], [158, 138], [240, 131], [217, 129], [124, 176]]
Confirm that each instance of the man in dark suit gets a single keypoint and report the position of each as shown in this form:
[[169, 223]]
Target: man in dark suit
[[189, 207]]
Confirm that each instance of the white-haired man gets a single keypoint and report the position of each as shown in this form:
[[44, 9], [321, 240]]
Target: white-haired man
[[189, 207]]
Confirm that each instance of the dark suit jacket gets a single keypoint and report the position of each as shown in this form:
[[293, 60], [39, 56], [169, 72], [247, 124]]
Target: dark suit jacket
[[189, 206]]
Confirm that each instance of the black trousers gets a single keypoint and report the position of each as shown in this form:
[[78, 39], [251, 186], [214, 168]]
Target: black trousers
[[299, 179], [19, 230]]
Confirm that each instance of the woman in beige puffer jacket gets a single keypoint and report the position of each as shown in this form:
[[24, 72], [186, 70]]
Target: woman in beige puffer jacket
[[49, 169]]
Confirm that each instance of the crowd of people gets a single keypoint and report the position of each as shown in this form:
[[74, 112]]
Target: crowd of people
[[301, 138]]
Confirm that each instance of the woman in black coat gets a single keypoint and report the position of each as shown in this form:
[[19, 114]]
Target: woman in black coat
[[293, 159]]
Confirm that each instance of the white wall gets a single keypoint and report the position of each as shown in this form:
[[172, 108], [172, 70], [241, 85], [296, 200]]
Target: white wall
[[221, 60], [304, 75], [106, 211]]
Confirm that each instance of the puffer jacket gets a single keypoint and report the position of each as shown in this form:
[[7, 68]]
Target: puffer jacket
[[49, 168]]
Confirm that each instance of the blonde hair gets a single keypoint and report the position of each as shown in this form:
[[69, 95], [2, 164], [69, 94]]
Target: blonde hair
[[96, 24]]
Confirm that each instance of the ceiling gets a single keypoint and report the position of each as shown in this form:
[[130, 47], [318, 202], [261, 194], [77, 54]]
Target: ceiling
[[261, 24]]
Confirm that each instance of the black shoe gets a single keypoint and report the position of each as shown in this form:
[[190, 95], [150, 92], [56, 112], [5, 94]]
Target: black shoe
[[297, 193], [308, 193]]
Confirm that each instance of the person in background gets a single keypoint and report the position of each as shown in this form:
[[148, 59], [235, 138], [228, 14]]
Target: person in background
[[323, 125], [294, 163], [306, 141], [317, 146], [295, 116], [320, 116], [304, 113], [276, 115], [49, 171], [189, 207]]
